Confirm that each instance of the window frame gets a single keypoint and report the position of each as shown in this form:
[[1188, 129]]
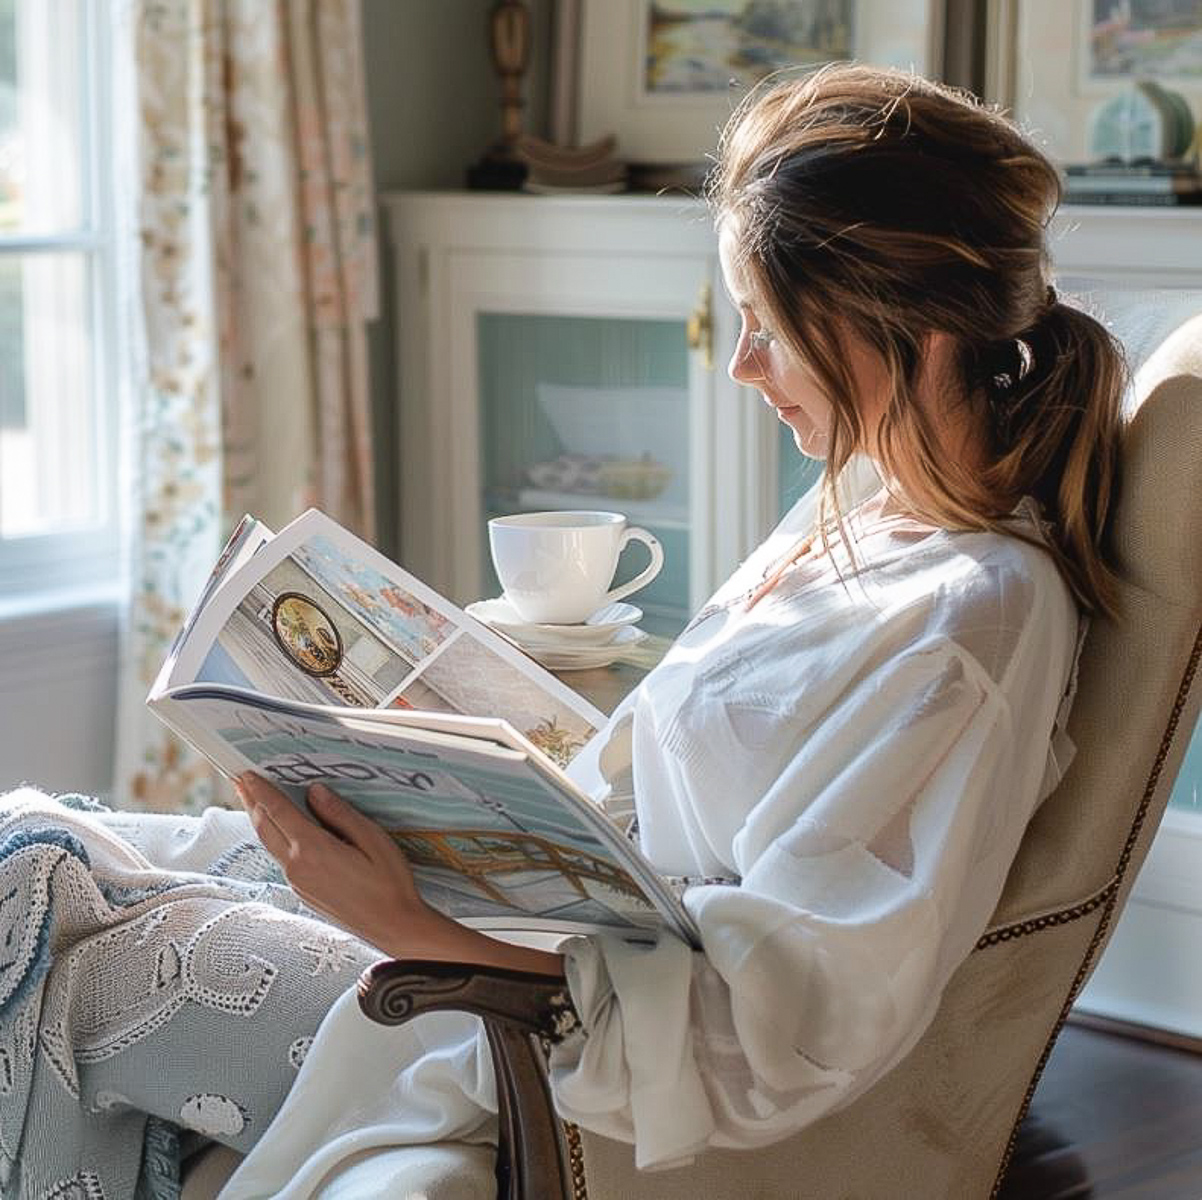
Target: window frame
[[42, 570]]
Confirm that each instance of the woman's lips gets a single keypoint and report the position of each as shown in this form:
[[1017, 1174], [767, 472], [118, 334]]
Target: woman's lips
[[777, 405], [784, 412]]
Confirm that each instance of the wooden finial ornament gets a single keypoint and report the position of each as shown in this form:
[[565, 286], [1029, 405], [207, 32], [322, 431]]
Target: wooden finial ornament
[[502, 167]]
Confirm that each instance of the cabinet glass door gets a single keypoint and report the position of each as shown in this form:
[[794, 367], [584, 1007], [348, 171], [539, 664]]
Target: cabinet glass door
[[591, 412]]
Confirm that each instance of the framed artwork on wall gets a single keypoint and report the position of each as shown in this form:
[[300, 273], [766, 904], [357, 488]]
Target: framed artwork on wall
[[663, 75], [1145, 39], [1055, 65]]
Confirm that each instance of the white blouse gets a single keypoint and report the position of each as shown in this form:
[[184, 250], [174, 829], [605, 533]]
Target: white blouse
[[849, 767]]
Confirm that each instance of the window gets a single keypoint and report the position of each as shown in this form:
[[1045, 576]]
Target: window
[[58, 526]]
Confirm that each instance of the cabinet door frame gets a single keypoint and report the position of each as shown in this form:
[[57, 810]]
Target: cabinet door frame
[[458, 255], [561, 283]]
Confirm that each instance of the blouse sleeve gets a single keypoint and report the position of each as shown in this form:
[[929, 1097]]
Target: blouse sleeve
[[868, 871]]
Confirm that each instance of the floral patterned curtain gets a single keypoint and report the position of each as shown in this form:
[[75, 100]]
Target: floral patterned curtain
[[255, 276]]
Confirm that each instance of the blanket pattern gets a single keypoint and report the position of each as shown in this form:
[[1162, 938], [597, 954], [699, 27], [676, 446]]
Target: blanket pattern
[[159, 986]]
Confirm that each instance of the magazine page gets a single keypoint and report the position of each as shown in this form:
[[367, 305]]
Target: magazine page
[[497, 837], [248, 537], [320, 617]]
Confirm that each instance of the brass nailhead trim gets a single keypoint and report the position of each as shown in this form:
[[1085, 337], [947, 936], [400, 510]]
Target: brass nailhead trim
[[1061, 916], [1105, 898], [576, 1160]]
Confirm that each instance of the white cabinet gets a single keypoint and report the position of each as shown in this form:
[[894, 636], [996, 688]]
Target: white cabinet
[[1129, 247], [533, 332], [545, 362]]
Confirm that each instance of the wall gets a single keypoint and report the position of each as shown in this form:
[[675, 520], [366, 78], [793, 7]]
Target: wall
[[433, 106]]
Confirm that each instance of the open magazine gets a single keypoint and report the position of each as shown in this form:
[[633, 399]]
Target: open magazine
[[310, 657]]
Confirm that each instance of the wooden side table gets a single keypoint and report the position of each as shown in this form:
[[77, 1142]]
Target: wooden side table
[[607, 687]]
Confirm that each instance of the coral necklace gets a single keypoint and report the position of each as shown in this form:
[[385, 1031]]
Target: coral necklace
[[772, 576], [875, 508], [753, 595]]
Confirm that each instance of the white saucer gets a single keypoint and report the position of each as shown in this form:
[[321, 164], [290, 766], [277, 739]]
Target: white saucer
[[595, 631], [582, 658]]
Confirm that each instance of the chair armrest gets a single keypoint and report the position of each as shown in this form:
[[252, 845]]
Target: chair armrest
[[522, 1012], [393, 991]]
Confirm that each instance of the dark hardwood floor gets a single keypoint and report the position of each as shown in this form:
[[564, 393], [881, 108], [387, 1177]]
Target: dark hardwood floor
[[1114, 1118]]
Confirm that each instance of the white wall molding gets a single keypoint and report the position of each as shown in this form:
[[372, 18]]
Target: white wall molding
[[58, 696]]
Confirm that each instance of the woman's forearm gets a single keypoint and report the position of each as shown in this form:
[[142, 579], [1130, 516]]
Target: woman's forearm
[[431, 935]]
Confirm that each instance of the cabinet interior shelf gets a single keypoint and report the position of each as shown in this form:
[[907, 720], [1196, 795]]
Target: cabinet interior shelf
[[647, 512]]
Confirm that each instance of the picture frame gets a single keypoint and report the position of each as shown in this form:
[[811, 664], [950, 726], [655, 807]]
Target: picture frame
[[1042, 63], [654, 73], [1143, 39]]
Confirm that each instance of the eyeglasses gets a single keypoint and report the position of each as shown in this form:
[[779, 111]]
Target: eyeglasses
[[759, 347]]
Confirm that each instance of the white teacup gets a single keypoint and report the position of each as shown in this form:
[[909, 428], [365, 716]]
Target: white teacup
[[556, 567]]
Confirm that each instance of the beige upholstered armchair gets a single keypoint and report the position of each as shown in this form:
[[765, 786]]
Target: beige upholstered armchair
[[944, 1122]]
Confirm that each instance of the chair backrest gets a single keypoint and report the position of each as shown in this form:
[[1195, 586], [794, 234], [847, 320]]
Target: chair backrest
[[942, 1123]]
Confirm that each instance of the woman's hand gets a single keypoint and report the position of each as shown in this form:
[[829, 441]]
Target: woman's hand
[[350, 869], [346, 867]]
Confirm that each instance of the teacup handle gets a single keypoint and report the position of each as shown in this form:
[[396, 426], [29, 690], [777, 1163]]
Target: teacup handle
[[644, 577]]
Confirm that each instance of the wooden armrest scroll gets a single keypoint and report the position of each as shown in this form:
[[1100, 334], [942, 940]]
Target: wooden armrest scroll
[[521, 1011], [392, 991]]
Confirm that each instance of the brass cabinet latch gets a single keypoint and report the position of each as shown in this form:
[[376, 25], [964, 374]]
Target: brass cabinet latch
[[700, 326]]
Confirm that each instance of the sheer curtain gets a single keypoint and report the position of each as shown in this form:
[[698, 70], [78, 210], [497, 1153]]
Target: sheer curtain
[[252, 269]]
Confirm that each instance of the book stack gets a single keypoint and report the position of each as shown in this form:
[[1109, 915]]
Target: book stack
[[1159, 184], [554, 169]]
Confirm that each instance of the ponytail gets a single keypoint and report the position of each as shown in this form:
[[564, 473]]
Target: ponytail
[[1057, 430]]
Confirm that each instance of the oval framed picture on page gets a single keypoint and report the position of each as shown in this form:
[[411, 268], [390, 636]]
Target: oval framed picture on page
[[306, 634]]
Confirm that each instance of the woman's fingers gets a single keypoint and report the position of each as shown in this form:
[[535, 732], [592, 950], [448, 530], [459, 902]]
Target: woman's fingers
[[290, 821], [269, 833], [287, 834], [339, 863], [347, 821], [344, 865]]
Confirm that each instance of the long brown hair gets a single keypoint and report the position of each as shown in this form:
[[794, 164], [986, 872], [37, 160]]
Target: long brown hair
[[872, 204]]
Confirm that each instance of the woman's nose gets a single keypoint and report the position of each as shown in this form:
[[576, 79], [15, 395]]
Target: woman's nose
[[742, 366]]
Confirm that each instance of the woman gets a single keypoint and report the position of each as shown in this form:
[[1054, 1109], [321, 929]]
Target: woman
[[843, 749]]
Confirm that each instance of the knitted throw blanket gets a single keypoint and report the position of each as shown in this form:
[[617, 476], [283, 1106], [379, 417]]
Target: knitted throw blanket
[[159, 987]]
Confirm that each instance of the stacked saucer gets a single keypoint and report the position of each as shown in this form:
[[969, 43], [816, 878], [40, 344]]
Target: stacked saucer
[[595, 642]]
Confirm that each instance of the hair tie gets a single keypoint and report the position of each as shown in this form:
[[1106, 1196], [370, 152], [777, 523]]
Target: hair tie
[[1003, 381], [1024, 348]]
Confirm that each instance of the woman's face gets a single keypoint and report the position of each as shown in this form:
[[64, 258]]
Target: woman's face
[[764, 362]]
